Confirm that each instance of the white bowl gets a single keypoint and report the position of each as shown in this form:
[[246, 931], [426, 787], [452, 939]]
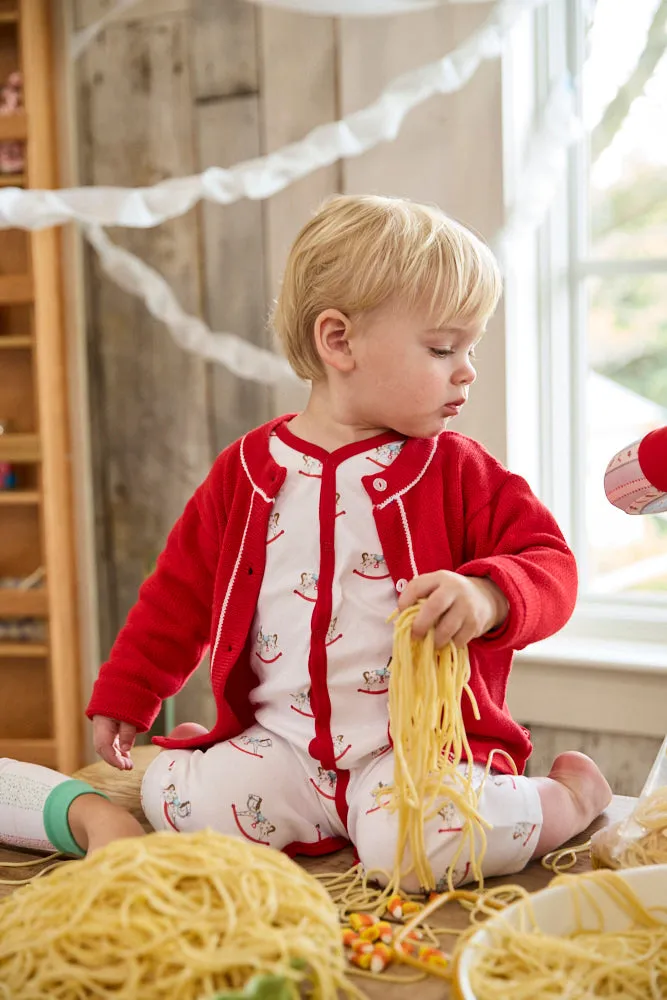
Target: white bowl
[[554, 913]]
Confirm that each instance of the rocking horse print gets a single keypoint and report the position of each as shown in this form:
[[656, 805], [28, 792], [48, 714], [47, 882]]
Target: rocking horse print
[[325, 783], [307, 587], [386, 453], [267, 647], [258, 822], [376, 681], [256, 743], [301, 703], [372, 566]]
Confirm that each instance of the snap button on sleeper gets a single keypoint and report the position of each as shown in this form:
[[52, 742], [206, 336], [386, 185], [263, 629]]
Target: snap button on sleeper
[[380, 485], [401, 585]]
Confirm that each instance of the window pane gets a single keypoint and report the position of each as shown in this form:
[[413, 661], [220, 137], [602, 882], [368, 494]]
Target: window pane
[[625, 109], [626, 397]]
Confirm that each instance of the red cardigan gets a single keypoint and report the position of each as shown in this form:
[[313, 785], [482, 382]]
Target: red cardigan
[[444, 503]]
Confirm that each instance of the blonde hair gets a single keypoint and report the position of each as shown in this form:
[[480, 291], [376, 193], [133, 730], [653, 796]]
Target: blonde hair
[[358, 252]]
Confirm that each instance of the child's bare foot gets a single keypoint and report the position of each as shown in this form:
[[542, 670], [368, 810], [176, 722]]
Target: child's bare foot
[[572, 795], [186, 730], [585, 781]]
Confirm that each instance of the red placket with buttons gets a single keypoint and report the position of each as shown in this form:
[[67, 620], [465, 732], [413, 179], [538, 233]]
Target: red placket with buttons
[[322, 747]]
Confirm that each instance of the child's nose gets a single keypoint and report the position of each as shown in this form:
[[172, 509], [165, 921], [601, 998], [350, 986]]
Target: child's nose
[[465, 375]]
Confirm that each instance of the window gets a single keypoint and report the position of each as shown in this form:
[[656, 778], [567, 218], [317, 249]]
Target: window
[[587, 297], [621, 278]]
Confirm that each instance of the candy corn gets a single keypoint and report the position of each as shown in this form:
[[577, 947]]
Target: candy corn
[[360, 920], [399, 907], [376, 960]]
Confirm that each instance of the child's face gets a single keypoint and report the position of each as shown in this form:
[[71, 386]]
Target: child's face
[[409, 375]]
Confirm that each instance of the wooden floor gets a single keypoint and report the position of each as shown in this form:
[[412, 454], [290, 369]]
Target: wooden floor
[[533, 878]]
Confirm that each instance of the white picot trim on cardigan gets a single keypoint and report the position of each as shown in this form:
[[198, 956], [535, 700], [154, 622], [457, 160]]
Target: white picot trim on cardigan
[[232, 579], [396, 496], [408, 536], [247, 472]]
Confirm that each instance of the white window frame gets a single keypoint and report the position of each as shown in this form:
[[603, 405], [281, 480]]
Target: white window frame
[[609, 641]]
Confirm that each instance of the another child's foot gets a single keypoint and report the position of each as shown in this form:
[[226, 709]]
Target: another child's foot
[[96, 822], [573, 794]]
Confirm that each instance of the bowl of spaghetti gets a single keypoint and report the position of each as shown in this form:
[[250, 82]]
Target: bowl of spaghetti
[[601, 934]]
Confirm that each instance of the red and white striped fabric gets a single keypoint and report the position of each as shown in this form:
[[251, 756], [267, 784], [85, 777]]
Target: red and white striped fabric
[[636, 478]]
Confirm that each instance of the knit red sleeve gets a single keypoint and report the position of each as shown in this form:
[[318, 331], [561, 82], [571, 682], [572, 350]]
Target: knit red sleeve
[[515, 541], [168, 629]]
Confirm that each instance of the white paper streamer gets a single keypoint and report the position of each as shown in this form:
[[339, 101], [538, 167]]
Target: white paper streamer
[[355, 8], [544, 167], [260, 178], [191, 333], [541, 176], [327, 8]]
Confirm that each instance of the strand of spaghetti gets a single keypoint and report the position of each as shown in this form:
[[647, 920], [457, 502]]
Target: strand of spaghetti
[[564, 858], [387, 977], [31, 878], [32, 863]]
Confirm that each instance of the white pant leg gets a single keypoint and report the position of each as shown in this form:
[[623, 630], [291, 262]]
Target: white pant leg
[[511, 804], [256, 786], [24, 789]]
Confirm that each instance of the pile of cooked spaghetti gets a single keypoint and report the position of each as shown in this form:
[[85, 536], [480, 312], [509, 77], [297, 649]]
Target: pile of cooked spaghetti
[[523, 962], [170, 916]]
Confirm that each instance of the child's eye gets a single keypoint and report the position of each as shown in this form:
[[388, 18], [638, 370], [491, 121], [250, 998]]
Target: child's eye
[[442, 352], [472, 353]]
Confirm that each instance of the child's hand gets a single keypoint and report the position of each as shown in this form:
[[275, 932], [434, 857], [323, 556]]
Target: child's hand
[[113, 741], [460, 608]]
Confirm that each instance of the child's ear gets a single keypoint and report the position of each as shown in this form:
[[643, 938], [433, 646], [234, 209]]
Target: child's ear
[[332, 338]]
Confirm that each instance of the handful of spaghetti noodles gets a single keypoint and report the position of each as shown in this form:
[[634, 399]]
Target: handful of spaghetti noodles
[[167, 916], [426, 690]]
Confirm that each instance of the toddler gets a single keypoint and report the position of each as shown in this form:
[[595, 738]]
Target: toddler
[[304, 537]]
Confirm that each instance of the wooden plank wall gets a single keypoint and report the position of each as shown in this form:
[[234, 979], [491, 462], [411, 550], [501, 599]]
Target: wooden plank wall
[[171, 87]]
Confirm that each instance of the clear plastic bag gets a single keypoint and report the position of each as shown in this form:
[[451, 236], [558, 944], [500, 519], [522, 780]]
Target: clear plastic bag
[[641, 838]]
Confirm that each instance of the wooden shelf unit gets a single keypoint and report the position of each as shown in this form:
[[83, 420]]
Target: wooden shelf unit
[[12, 343], [21, 448], [15, 289], [19, 498], [14, 127], [12, 180], [41, 713]]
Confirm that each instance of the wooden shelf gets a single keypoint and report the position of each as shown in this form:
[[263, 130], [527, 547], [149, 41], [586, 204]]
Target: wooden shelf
[[21, 448], [14, 126], [15, 288], [12, 180], [15, 603], [23, 650], [19, 498], [35, 751], [40, 678], [11, 342]]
